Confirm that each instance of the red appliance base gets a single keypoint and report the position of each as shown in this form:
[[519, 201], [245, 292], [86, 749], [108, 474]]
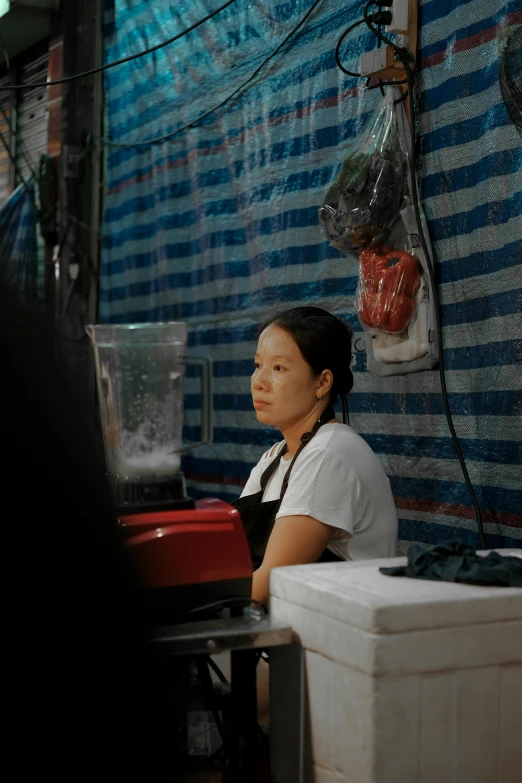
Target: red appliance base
[[186, 558]]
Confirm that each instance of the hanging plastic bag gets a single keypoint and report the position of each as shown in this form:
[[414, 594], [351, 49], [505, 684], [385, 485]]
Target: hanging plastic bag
[[389, 280], [365, 200], [414, 349]]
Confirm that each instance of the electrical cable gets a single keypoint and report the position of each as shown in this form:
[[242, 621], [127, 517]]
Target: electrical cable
[[10, 126], [381, 86], [28, 190], [18, 171], [339, 42], [226, 602], [105, 67], [407, 59], [4, 51], [68, 295], [202, 664], [166, 137], [215, 668], [375, 17]]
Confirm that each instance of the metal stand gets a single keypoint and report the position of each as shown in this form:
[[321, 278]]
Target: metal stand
[[290, 752], [244, 715], [289, 761]]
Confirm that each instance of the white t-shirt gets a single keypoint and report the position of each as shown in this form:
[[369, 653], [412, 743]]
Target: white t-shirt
[[338, 480]]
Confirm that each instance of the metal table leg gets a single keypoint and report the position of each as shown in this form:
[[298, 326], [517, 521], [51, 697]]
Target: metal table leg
[[244, 716], [290, 757], [245, 637]]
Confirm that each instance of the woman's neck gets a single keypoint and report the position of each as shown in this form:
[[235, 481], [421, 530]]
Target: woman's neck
[[293, 433]]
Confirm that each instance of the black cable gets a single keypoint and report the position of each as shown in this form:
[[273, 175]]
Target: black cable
[[124, 59], [438, 323], [407, 58], [208, 689], [375, 17], [225, 602], [28, 190], [4, 52], [339, 42], [18, 171], [10, 126], [402, 53], [202, 664], [68, 296], [215, 668], [381, 85], [166, 137]]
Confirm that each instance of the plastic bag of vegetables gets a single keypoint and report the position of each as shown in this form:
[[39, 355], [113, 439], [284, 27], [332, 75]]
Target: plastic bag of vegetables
[[364, 202]]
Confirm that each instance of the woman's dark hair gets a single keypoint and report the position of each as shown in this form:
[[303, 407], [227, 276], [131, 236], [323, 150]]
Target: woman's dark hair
[[325, 343]]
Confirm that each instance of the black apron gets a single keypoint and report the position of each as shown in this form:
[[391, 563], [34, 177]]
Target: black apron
[[258, 518]]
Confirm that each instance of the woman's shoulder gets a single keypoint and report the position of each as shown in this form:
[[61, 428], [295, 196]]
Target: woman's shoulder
[[339, 439], [342, 450]]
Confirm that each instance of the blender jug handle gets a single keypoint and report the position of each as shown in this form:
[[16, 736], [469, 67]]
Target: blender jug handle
[[207, 426]]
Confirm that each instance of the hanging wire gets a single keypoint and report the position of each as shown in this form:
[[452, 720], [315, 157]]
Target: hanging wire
[[29, 190], [337, 48], [408, 60], [124, 59], [10, 126], [375, 17], [193, 123], [4, 52]]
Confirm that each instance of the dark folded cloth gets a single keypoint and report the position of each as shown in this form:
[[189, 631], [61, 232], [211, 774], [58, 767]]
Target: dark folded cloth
[[456, 561]]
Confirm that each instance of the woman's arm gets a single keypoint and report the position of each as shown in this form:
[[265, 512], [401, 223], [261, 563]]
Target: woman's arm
[[294, 540]]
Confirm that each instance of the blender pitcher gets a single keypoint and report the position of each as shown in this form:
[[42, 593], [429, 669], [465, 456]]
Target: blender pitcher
[[140, 374]]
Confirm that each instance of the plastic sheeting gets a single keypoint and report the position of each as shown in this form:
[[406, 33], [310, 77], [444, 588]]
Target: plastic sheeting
[[18, 247], [218, 226]]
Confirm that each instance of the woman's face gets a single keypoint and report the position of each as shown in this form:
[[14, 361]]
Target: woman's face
[[284, 388]]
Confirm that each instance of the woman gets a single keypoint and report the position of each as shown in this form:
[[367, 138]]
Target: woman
[[321, 493]]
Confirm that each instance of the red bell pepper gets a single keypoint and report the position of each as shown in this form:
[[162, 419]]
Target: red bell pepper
[[389, 281], [371, 259], [402, 273], [389, 314], [400, 313]]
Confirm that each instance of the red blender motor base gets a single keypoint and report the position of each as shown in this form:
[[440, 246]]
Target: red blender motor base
[[187, 558]]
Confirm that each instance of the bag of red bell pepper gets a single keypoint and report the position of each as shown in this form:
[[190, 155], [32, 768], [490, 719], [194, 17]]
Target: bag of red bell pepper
[[365, 200], [388, 284]]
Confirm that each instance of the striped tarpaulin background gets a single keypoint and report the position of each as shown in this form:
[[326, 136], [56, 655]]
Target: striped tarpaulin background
[[18, 244], [218, 226]]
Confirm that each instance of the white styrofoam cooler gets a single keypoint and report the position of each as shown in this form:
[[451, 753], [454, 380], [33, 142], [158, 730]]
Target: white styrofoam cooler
[[409, 681]]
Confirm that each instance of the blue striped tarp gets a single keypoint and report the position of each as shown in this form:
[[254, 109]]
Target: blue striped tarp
[[218, 226], [18, 245]]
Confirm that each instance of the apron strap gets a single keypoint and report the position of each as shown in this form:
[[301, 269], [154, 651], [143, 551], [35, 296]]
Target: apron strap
[[267, 473], [325, 417]]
